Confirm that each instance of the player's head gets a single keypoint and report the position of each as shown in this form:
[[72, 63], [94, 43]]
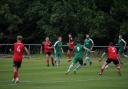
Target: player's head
[[60, 38], [111, 44], [69, 35], [47, 39], [120, 36], [87, 36], [19, 38]]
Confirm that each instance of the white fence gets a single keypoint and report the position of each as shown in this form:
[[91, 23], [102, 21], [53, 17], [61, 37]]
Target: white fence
[[33, 48]]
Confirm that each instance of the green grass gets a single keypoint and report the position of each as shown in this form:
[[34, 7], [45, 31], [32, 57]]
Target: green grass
[[35, 75]]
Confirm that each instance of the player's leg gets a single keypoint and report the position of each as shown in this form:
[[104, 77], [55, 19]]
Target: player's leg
[[120, 53], [15, 71], [57, 59], [69, 54], [104, 66], [47, 59], [52, 60], [72, 65], [116, 62], [78, 66], [88, 58], [70, 68]]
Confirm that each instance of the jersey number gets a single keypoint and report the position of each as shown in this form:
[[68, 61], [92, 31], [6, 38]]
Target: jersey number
[[113, 50], [18, 49]]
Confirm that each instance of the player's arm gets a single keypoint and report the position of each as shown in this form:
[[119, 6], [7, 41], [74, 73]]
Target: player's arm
[[102, 56], [26, 50], [92, 44], [41, 48], [125, 43], [62, 50], [87, 49], [54, 46]]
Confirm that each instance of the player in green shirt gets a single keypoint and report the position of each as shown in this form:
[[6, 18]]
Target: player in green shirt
[[122, 44], [88, 43], [79, 50], [58, 50]]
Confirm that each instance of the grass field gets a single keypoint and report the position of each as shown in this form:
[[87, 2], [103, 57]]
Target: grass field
[[35, 75]]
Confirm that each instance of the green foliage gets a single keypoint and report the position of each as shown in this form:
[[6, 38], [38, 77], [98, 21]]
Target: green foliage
[[103, 19]]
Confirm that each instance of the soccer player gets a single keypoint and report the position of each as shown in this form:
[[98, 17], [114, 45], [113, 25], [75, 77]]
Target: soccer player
[[88, 43], [122, 45], [17, 57], [112, 56], [58, 50], [47, 46], [79, 50], [70, 47]]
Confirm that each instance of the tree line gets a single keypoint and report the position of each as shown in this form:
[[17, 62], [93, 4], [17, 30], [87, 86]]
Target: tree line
[[104, 20]]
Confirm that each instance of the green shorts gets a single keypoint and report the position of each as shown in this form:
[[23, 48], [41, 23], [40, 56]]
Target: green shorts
[[78, 59], [59, 55], [120, 50]]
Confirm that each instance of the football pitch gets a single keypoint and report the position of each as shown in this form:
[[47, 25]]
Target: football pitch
[[34, 74]]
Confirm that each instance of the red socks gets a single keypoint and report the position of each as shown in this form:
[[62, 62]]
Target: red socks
[[15, 74]]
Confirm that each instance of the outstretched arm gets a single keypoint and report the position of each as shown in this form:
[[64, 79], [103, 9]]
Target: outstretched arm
[[87, 49], [41, 49], [92, 44], [26, 50], [125, 43], [102, 56]]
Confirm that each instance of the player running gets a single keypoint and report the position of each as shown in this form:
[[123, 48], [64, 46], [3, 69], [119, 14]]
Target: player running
[[79, 50], [88, 43], [58, 51], [70, 47], [17, 57], [112, 56], [47, 46]]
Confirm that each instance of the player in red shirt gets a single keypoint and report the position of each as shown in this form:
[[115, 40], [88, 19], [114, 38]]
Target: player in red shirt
[[70, 47], [17, 57], [47, 46], [112, 56]]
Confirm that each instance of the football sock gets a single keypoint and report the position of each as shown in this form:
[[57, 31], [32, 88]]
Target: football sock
[[70, 68]]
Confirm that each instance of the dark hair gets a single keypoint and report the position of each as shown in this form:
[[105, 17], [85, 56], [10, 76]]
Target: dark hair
[[111, 44]]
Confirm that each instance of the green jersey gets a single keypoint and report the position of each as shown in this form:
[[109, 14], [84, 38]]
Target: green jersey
[[58, 46], [88, 43], [121, 43], [79, 51]]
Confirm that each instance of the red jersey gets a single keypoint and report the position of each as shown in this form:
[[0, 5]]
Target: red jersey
[[18, 51], [47, 46], [112, 53], [71, 43]]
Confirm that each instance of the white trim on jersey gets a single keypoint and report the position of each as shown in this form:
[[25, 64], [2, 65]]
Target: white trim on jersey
[[124, 41], [91, 40], [56, 43]]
